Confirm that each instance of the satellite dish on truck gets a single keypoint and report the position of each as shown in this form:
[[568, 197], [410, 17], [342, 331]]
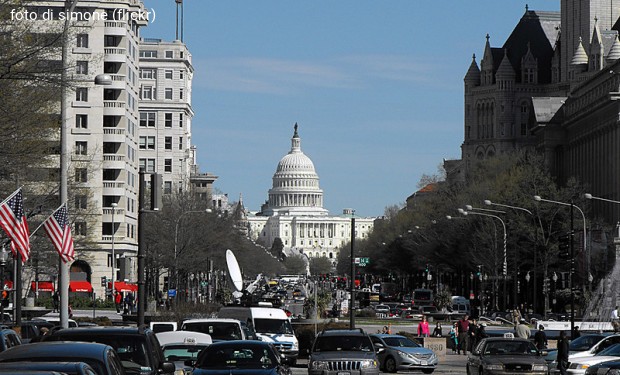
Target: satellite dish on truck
[[234, 271], [241, 294]]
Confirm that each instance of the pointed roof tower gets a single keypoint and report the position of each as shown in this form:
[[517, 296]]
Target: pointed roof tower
[[580, 57], [614, 51], [505, 70], [473, 73]]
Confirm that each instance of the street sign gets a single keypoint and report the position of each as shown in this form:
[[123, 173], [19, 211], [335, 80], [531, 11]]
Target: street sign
[[362, 262], [172, 293]]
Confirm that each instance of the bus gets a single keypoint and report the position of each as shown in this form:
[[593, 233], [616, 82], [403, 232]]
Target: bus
[[422, 297]]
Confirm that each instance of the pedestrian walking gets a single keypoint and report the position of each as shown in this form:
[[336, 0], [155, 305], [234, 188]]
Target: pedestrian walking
[[118, 301], [463, 325], [55, 301], [454, 337], [540, 338], [423, 328], [437, 331], [562, 356], [523, 330]]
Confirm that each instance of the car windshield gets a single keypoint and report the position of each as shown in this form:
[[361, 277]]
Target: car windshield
[[509, 347], [181, 352], [278, 326], [400, 342], [342, 343], [219, 331], [613, 350], [237, 356], [585, 342]]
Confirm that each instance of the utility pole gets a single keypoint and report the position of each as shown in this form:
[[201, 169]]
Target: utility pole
[[352, 285]]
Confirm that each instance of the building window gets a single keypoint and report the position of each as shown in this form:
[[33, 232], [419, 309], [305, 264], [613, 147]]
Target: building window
[[81, 67], [169, 54], [168, 93], [168, 74], [81, 202], [167, 187], [147, 93], [81, 121], [148, 165], [81, 148], [180, 120], [147, 142], [81, 41], [147, 119], [81, 175], [81, 94], [167, 165], [168, 120], [180, 93], [148, 54], [168, 143], [181, 74], [180, 143], [148, 74], [79, 228]]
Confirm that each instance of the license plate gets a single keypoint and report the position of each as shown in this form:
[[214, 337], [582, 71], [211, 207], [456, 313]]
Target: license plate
[[343, 373], [424, 363]]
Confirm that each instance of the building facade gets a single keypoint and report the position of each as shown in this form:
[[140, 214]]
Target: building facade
[[294, 212]]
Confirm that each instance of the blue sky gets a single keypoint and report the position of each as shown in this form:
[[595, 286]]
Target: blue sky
[[375, 86]]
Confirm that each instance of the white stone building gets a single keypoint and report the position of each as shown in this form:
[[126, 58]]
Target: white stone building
[[294, 211]]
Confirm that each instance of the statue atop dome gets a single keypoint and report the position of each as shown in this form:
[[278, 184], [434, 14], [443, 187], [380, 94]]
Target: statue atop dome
[[295, 135]]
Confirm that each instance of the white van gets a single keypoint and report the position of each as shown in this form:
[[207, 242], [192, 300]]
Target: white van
[[220, 329], [271, 325], [460, 305]]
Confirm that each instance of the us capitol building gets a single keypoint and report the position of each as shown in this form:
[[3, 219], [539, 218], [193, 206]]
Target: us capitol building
[[295, 214]]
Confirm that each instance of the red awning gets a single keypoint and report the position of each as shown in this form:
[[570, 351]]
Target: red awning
[[122, 286], [44, 286], [80, 286]]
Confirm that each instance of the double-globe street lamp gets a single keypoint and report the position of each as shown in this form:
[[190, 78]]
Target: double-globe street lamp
[[505, 261], [176, 253]]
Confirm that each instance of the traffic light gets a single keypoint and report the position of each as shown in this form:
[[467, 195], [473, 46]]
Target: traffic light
[[103, 281], [5, 298], [564, 245]]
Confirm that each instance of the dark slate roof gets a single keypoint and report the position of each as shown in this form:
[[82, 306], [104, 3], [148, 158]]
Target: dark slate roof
[[540, 29]]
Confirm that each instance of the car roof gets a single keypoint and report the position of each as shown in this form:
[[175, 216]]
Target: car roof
[[64, 349], [212, 320], [62, 366], [111, 330], [343, 332], [183, 337], [386, 335], [239, 343]]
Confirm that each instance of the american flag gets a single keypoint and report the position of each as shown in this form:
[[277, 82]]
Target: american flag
[[13, 221], [58, 229]]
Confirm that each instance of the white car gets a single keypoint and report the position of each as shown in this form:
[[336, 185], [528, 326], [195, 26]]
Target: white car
[[601, 345], [580, 364], [382, 309]]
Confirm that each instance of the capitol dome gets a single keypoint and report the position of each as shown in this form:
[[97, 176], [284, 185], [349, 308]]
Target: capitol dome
[[295, 188]]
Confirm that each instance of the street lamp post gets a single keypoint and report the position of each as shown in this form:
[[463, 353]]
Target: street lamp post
[[505, 264], [101, 79], [490, 203], [572, 252], [4, 258], [114, 205], [176, 238]]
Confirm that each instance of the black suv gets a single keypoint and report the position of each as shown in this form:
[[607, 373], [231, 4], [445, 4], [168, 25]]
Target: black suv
[[343, 351], [138, 348]]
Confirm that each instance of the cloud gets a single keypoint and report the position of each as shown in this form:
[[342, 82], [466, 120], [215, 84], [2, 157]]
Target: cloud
[[285, 76]]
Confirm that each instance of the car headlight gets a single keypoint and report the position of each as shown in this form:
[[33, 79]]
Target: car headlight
[[540, 368], [495, 367], [296, 345], [368, 363], [319, 365]]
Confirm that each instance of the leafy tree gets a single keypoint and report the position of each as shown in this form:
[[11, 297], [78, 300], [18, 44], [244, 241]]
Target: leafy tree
[[277, 248], [295, 265], [320, 266]]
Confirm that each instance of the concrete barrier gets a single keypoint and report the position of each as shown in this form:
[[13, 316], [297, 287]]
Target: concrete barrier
[[436, 344]]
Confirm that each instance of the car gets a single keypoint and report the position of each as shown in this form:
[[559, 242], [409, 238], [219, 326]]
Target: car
[[580, 344], [402, 353], [67, 368], [604, 368], [137, 347], [181, 346], [597, 347], [103, 358], [56, 321], [31, 329], [8, 339], [579, 365], [506, 355], [343, 351], [382, 309], [240, 357]]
